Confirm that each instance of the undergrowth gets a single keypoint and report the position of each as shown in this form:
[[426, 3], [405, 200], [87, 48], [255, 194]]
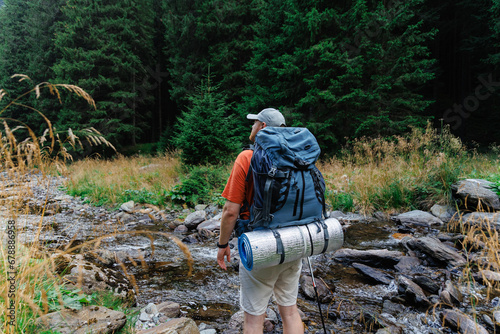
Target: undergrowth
[[401, 173]]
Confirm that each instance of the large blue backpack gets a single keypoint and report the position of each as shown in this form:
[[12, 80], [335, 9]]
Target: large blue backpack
[[288, 188]]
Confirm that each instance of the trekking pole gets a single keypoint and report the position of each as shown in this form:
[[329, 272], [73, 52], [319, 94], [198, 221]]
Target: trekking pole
[[317, 296]]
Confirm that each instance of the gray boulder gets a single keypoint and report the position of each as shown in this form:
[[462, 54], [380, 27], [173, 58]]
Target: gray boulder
[[128, 207], [90, 319], [419, 218], [461, 322], [375, 257], [475, 195], [485, 220], [444, 212], [194, 219], [211, 224]]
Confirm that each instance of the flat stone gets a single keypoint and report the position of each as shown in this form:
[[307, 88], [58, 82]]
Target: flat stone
[[427, 284], [408, 264], [169, 309], [376, 275], [181, 229], [419, 218], [90, 319], [412, 293], [475, 195], [461, 322], [437, 250], [211, 224], [375, 258], [325, 294], [174, 326]]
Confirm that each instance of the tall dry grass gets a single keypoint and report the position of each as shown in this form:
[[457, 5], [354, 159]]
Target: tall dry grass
[[29, 286], [140, 178], [412, 172]]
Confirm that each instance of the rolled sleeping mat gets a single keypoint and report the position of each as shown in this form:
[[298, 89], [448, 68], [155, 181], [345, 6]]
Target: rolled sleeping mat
[[260, 248]]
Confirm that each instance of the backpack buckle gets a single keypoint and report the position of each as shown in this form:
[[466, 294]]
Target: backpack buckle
[[272, 172]]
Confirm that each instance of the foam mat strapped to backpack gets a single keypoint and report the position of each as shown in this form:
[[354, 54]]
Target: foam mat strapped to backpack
[[264, 248]]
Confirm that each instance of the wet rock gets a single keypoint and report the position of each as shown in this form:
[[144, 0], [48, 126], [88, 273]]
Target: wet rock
[[391, 308], [92, 278], [419, 218], [194, 219], [324, 292], [427, 284], [412, 293], [349, 217], [496, 318], [461, 322], [205, 234], [101, 256], [385, 322], [408, 264], [179, 326], [375, 275], [487, 276], [375, 258], [489, 323], [235, 324], [128, 207], [90, 319], [451, 295], [190, 239], [444, 212], [484, 220], [437, 250], [211, 225], [169, 309], [181, 229]]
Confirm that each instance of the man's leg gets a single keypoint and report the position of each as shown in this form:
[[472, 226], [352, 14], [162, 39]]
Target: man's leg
[[254, 324], [292, 324]]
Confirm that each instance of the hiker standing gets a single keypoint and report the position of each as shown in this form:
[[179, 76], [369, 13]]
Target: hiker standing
[[257, 286]]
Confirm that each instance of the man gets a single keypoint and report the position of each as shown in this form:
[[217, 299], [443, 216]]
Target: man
[[257, 286]]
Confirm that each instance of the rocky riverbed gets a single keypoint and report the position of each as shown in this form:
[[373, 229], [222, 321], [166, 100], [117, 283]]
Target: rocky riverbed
[[396, 274]]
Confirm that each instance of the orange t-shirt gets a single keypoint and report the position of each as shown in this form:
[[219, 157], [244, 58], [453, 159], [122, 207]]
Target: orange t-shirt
[[237, 190]]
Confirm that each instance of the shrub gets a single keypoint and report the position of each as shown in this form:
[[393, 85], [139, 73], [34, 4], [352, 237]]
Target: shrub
[[201, 184]]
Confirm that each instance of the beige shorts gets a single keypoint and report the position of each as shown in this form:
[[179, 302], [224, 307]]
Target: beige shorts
[[257, 286]]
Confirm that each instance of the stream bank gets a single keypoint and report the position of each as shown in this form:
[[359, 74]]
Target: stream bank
[[410, 291]]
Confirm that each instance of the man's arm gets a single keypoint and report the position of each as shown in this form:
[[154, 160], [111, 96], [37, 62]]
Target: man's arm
[[230, 214]]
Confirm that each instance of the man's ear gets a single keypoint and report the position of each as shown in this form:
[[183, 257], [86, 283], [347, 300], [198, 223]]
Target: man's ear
[[264, 125]]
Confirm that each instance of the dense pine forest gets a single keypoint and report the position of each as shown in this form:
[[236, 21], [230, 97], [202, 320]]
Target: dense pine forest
[[187, 71]]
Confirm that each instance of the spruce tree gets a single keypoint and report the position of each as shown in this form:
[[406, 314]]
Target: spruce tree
[[342, 69], [205, 132], [208, 35], [106, 46]]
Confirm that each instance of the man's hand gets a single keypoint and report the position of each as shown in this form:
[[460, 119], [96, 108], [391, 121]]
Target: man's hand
[[223, 252], [229, 215]]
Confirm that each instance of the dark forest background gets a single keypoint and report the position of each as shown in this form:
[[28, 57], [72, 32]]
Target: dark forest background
[[172, 71]]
